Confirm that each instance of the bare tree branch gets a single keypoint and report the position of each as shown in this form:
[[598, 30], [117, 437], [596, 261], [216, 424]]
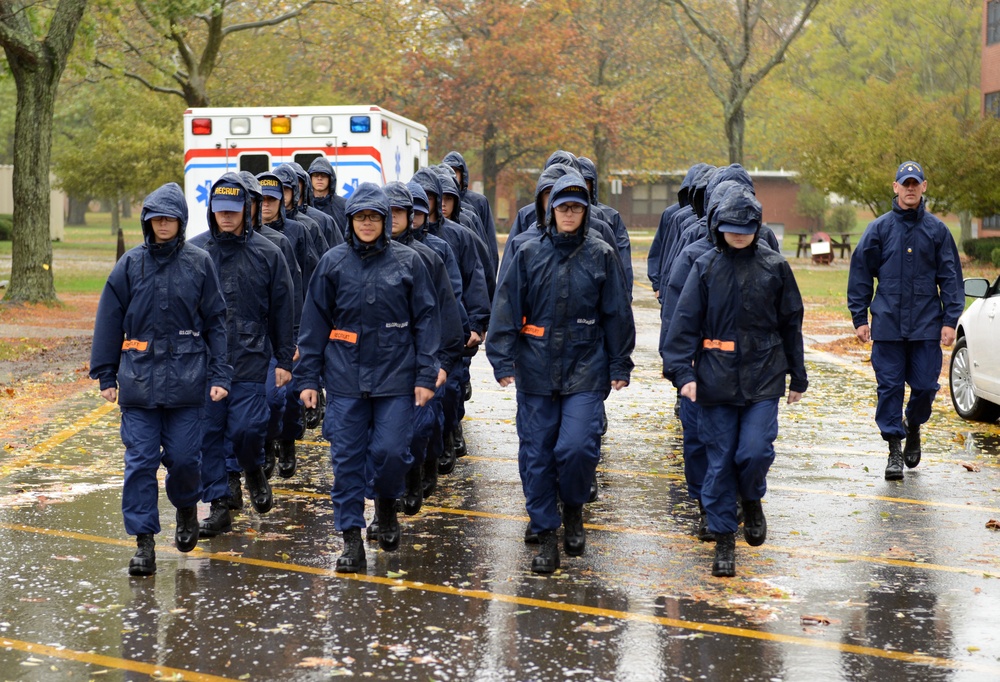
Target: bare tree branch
[[137, 77], [717, 38], [14, 31], [713, 80]]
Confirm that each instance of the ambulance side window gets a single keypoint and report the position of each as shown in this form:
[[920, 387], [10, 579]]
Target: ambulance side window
[[255, 163], [416, 163], [304, 159]]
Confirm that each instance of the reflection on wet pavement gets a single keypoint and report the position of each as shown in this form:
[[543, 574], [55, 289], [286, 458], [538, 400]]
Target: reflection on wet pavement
[[860, 579]]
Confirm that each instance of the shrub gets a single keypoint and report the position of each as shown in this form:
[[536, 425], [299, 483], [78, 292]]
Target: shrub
[[996, 258], [981, 249], [843, 219], [6, 227]]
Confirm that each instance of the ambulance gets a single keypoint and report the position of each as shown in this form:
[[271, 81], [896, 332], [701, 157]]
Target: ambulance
[[362, 143]]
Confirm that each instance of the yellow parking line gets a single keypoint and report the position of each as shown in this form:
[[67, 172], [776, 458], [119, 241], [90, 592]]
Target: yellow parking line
[[579, 609], [76, 427], [157, 672]]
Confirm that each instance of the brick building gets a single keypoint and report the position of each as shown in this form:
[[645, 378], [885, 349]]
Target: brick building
[[989, 85]]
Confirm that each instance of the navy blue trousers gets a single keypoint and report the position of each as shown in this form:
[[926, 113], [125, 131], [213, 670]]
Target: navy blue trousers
[[234, 429], [560, 445], [370, 451], [426, 424], [171, 435], [695, 457], [896, 363], [739, 443]]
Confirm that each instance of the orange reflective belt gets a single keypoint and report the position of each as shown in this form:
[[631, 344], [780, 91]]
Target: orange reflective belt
[[132, 344], [341, 335], [715, 344]]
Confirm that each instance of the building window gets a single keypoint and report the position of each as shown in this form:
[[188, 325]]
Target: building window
[[640, 200], [991, 223], [993, 22], [991, 104], [651, 200]]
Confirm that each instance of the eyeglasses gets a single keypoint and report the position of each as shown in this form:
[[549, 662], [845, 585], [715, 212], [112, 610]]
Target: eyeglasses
[[571, 207], [368, 217]]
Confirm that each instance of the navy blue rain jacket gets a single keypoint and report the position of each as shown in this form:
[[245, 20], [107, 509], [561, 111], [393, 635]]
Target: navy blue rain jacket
[[478, 201], [306, 257], [661, 240], [259, 293], [612, 217], [290, 179], [475, 296], [563, 320], [332, 204], [915, 260], [327, 225], [738, 320], [160, 333], [369, 323], [451, 345]]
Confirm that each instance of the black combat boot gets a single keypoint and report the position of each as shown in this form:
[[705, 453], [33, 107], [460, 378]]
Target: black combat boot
[[458, 437], [260, 491], [372, 533], [271, 451], [430, 477], [353, 559], [286, 458], [574, 535], [413, 498], [218, 521], [894, 469], [235, 499], [754, 523], [186, 535], [144, 561], [594, 489], [702, 531], [547, 559], [911, 450], [604, 420], [466, 391], [530, 537], [388, 525], [724, 565], [446, 462]]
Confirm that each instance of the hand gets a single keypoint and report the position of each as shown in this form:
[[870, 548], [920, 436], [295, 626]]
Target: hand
[[110, 394], [947, 336], [864, 333], [217, 393], [281, 377], [505, 381], [422, 396], [295, 358], [474, 340], [794, 397], [619, 384], [442, 377], [657, 294], [309, 397], [690, 391]]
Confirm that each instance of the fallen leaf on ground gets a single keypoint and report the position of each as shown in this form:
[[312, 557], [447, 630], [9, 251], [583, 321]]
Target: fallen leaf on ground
[[971, 466], [590, 627], [815, 620], [993, 524], [314, 662]]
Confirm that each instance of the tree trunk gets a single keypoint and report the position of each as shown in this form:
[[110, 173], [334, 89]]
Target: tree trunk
[[77, 210], [116, 216], [601, 154], [490, 164], [126, 208], [965, 220], [31, 253], [735, 124]]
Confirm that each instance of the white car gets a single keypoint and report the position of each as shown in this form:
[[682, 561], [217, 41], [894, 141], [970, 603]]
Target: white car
[[975, 362]]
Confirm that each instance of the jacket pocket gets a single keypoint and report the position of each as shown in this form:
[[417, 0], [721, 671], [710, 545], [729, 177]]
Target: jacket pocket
[[718, 376], [189, 369], [135, 374], [251, 336]]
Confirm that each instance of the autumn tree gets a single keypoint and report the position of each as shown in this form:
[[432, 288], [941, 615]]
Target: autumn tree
[[738, 44], [37, 38], [174, 46]]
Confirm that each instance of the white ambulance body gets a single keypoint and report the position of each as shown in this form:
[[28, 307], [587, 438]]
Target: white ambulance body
[[362, 143]]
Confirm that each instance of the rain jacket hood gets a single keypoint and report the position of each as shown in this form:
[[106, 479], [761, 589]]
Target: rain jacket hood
[[281, 202], [738, 206], [431, 183], [306, 193], [369, 197], [697, 191], [418, 196], [568, 183], [213, 226], [547, 180], [564, 157], [256, 195], [589, 172], [322, 165], [450, 186], [454, 160], [289, 178], [166, 200], [735, 172], [399, 196], [684, 193]]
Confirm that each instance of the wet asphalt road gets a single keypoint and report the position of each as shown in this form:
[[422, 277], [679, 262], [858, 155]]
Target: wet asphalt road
[[860, 579]]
